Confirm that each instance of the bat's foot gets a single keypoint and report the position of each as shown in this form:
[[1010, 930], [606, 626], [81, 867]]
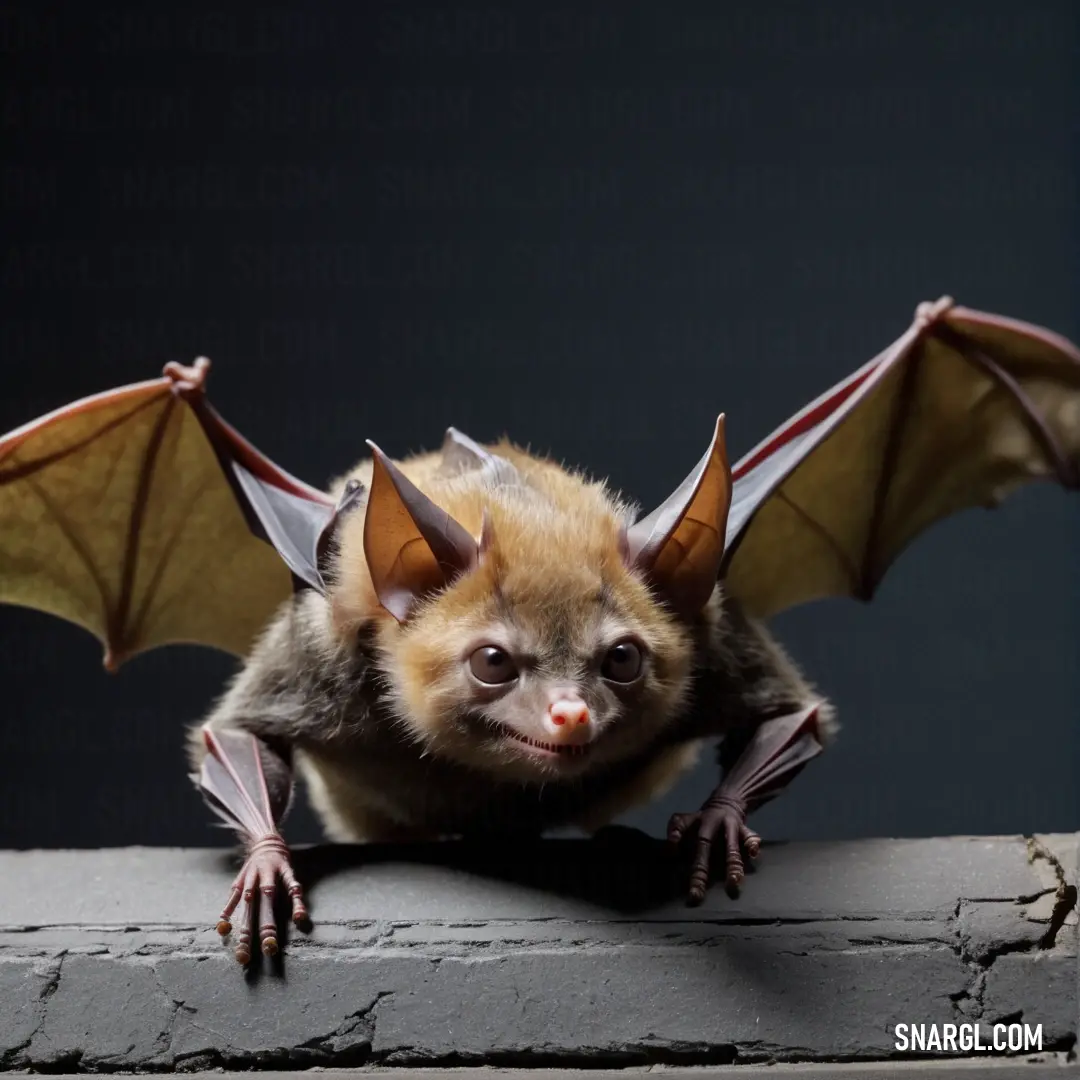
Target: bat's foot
[[257, 884], [723, 815]]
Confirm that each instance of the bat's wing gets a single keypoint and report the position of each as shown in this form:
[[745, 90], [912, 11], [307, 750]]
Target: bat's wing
[[958, 412], [141, 515]]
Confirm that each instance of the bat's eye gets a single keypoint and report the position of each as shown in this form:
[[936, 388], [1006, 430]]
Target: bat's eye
[[623, 662], [492, 665]]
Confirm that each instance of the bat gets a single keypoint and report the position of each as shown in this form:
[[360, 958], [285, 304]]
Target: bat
[[479, 642]]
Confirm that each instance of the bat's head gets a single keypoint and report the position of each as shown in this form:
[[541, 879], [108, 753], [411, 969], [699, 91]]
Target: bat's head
[[528, 628]]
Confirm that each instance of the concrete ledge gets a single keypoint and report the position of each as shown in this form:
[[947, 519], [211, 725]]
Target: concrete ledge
[[561, 953]]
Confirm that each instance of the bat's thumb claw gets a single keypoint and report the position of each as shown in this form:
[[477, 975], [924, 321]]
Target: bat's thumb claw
[[930, 310], [188, 378]]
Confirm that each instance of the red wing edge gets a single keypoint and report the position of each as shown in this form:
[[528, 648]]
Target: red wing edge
[[760, 472]]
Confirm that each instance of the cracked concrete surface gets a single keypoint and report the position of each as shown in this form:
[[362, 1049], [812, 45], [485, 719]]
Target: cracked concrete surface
[[559, 953]]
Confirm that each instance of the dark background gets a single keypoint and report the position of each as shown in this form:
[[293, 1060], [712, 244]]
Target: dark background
[[591, 226]]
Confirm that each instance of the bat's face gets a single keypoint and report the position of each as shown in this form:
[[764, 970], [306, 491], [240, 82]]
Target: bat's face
[[524, 640], [548, 661]]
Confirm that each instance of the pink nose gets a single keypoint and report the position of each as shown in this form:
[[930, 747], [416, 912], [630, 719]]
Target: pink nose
[[567, 721]]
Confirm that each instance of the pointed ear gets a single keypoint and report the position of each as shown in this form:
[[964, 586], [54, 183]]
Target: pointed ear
[[680, 544], [412, 546], [460, 453]]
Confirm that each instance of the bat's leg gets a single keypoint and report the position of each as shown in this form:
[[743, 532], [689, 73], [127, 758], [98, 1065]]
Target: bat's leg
[[256, 884], [249, 786], [771, 758], [721, 816]]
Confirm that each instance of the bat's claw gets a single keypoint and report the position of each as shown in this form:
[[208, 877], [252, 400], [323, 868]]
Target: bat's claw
[[188, 378], [723, 815], [256, 885], [931, 310]]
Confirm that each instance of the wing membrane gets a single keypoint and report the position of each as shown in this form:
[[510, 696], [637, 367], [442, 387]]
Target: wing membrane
[[958, 412], [127, 514]]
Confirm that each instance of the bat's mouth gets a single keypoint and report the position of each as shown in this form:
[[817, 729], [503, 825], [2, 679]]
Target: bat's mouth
[[549, 749], [537, 747]]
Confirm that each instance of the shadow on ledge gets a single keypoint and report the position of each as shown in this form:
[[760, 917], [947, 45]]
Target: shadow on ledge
[[620, 868]]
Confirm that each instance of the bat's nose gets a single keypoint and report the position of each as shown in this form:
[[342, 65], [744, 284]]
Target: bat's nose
[[568, 722]]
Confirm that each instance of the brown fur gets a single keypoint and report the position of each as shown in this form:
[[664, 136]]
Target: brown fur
[[381, 713]]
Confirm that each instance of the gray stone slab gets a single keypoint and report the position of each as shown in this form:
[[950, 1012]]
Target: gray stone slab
[[1040, 1067], [989, 928], [1064, 848], [106, 1013], [748, 998], [622, 875], [560, 953], [1037, 988], [22, 986]]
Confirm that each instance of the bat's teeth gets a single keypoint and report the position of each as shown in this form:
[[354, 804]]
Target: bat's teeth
[[551, 748]]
